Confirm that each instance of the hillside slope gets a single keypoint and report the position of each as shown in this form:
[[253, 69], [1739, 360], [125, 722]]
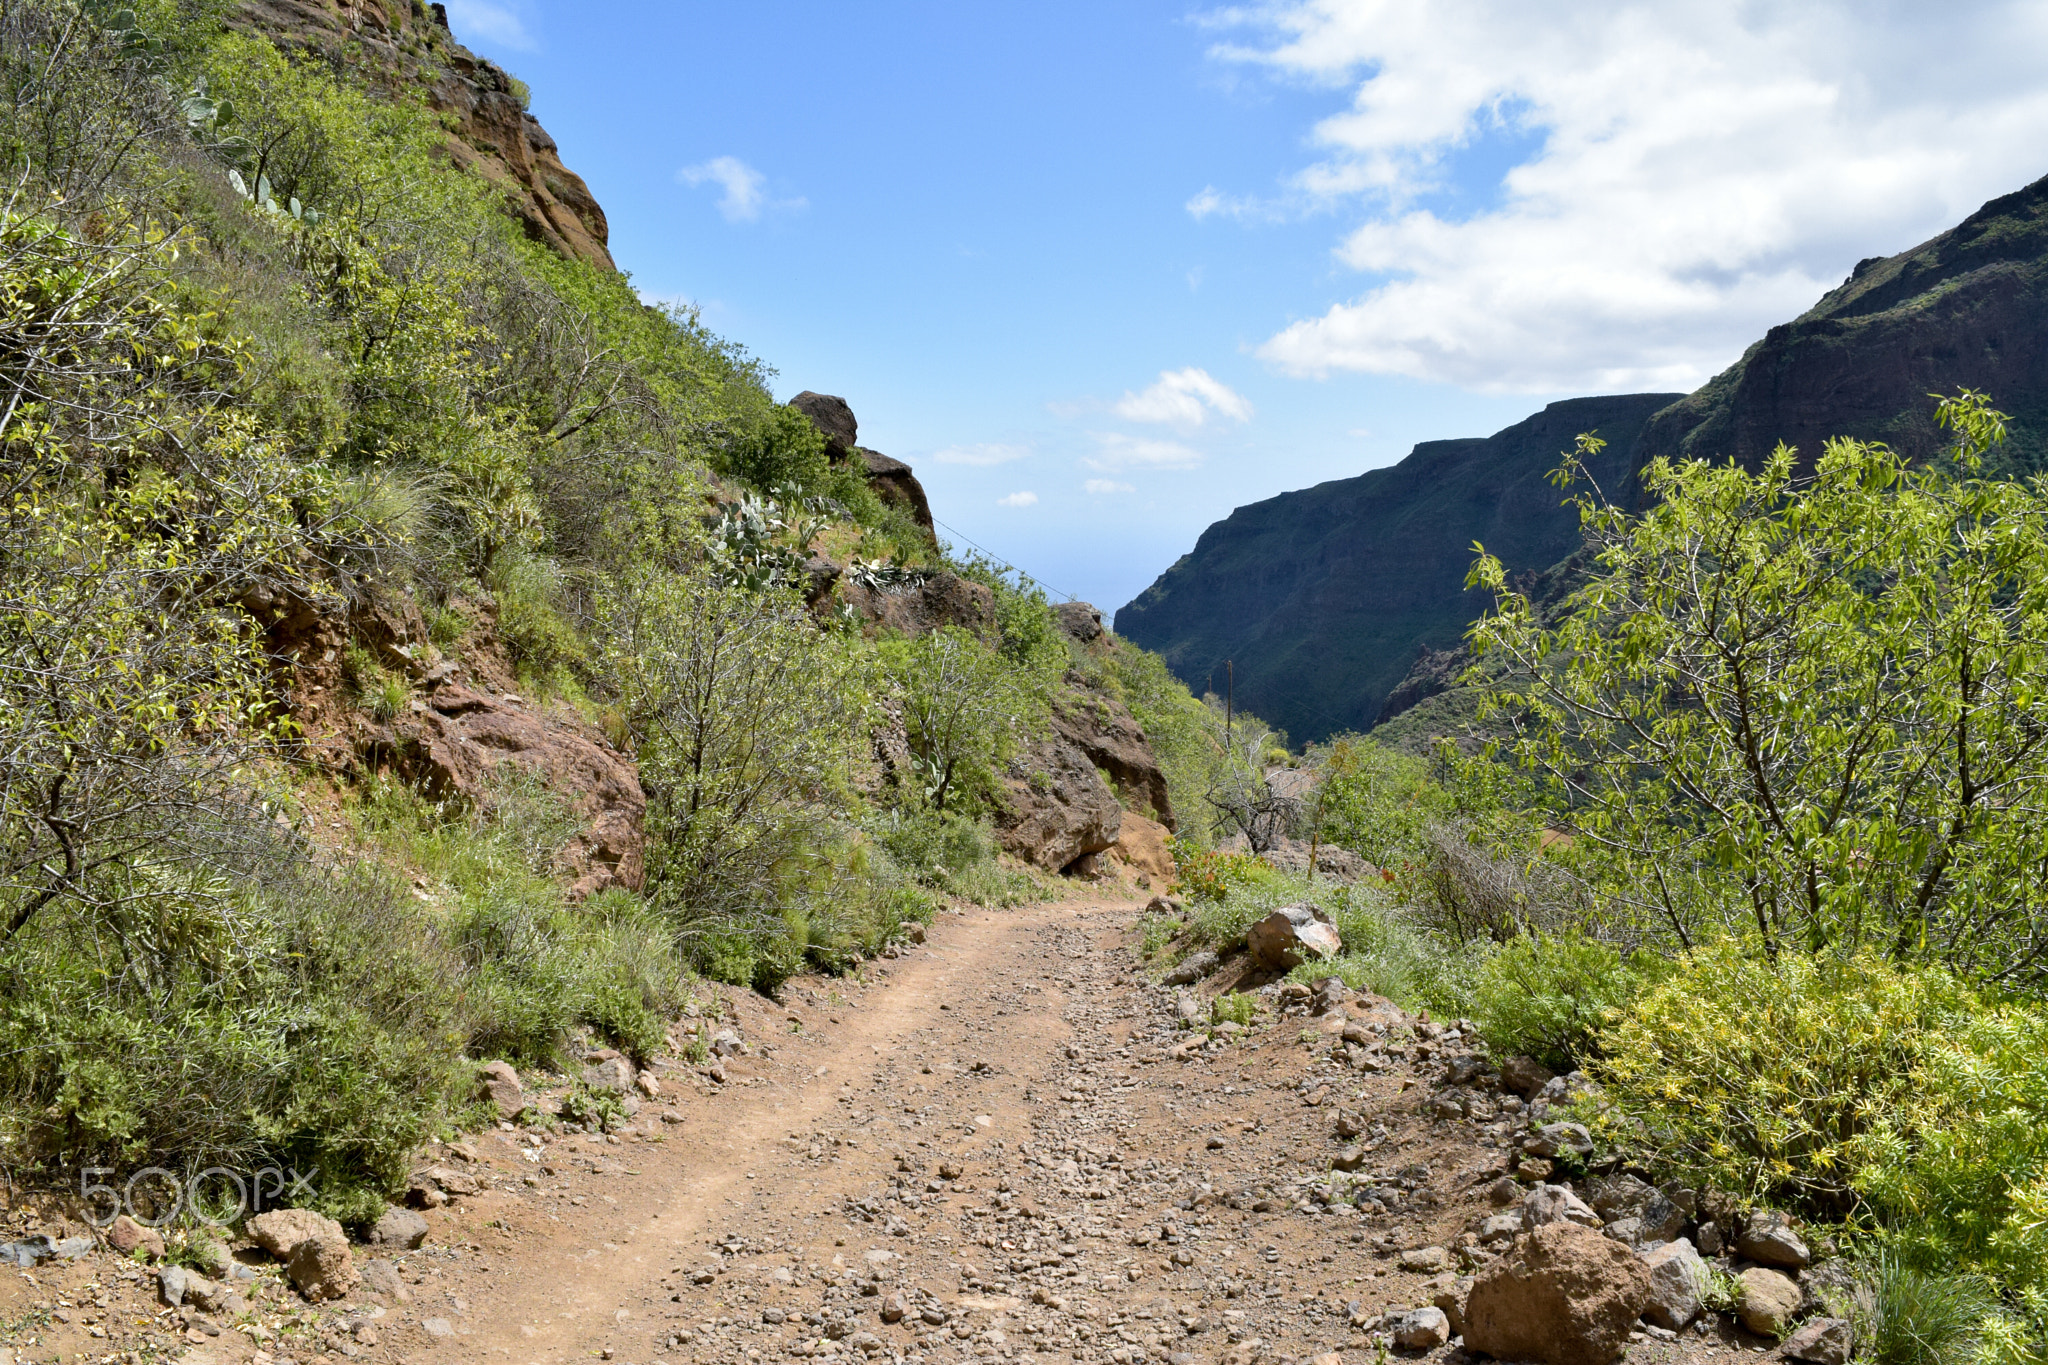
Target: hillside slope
[[407, 49], [1325, 597], [1967, 308]]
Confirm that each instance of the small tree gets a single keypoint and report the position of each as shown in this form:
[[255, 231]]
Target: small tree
[[965, 709], [744, 717], [1244, 797], [1808, 705]]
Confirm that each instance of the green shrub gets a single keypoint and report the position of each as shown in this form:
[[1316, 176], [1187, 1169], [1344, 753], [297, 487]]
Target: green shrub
[[1208, 875], [1550, 997], [785, 449], [1236, 1007], [1155, 933], [991, 884], [597, 1108], [1849, 1087], [300, 1018], [1373, 800], [528, 588], [932, 846], [1904, 1315]]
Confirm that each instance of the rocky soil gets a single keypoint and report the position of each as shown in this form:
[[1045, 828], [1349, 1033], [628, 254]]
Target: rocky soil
[[1003, 1145]]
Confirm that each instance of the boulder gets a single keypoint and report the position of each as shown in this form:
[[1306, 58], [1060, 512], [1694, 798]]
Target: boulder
[[895, 485], [1292, 855], [1564, 1295], [1292, 935], [170, 1285], [398, 1229], [1192, 968], [459, 741], [126, 1237], [613, 1073], [1677, 1275], [833, 417], [1548, 1204], [1054, 808], [1425, 1329], [1768, 1300], [1080, 621], [208, 1296], [381, 1277], [1555, 1139], [923, 605], [1767, 1238], [436, 1185], [1103, 729], [1141, 844], [1449, 1298], [313, 1248], [1622, 1198], [501, 1086], [1822, 1341]]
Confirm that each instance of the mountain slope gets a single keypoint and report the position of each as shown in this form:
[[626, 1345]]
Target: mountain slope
[[1966, 308], [1337, 601], [1323, 598], [407, 50]]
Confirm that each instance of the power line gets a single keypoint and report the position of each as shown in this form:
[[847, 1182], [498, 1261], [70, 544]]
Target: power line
[[1000, 559]]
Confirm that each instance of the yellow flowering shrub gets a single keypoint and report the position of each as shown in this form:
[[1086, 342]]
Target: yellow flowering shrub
[[1850, 1087]]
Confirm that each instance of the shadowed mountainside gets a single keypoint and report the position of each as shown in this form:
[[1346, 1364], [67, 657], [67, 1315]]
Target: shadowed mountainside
[[1343, 605], [1323, 598]]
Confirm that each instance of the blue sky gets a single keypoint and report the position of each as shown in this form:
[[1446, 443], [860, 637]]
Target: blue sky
[[1102, 273]]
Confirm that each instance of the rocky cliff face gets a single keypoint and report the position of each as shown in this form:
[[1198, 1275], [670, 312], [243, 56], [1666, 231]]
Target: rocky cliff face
[[1343, 605], [404, 46], [1968, 308], [1323, 599]]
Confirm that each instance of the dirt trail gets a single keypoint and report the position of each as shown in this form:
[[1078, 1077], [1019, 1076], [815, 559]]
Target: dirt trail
[[999, 1147]]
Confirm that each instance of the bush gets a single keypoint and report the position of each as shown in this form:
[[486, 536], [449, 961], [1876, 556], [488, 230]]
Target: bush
[[1208, 875], [1550, 997], [1388, 953], [1372, 800], [784, 450], [1904, 1315], [930, 845], [1849, 1087], [1816, 683], [310, 1020]]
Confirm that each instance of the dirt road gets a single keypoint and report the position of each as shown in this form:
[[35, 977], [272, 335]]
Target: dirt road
[[1001, 1146]]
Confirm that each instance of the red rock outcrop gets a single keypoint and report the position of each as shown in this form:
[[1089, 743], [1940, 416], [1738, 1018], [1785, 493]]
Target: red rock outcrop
[[464, 720], [405, 48]]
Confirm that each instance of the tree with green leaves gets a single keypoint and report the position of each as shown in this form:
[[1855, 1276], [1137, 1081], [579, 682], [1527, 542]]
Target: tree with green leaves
[[1804, 704], [745, 718], [965, 710]]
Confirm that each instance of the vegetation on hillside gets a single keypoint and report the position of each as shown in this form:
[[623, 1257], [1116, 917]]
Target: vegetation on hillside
[[270, 365], [1759, 851]]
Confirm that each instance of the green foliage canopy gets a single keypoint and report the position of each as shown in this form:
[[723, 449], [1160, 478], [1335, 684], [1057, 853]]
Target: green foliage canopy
[[1805, 705]]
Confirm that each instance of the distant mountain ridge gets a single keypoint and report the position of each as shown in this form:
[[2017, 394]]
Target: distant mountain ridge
[[1343, 605], [1322, 599]]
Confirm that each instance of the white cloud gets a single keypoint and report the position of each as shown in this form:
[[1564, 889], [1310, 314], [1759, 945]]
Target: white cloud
[[1100, 487], [481, 21], [745, 190], [1115, 451], [1183, 398], [984, 454], [1700, 170], [1023, 499]]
